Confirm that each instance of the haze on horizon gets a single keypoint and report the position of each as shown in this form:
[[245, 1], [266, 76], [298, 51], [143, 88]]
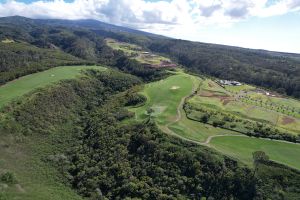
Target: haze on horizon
[[260, 24]]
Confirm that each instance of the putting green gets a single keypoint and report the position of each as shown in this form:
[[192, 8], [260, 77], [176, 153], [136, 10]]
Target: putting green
[[25, 84], [243, 147]]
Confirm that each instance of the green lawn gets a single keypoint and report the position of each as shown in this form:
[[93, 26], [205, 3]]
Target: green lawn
[[164, 97], [242, 148], [25, 84], [164, 100], [196, 131]]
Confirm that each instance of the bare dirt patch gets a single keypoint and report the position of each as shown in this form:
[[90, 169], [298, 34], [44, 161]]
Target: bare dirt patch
[[210, 85], [287, 120], [206, 93], [20, 188], [225, 99]]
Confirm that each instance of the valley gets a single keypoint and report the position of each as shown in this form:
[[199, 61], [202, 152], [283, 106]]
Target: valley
[[95, 111]]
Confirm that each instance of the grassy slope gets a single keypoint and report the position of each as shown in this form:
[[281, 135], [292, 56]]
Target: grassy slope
[[23, 158], [36, 179], [244, 108], [242, 148], [132, 49], [163, 99], [165, 102], [28, 83]]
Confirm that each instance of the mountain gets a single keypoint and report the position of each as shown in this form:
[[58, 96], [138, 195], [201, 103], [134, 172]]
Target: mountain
[[85, 39], [128, 130], [95, 25]]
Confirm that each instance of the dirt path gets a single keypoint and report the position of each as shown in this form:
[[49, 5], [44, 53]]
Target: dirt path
[[214, 136]]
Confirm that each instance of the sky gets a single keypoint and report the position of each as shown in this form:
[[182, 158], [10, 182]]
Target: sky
[[260, 24]]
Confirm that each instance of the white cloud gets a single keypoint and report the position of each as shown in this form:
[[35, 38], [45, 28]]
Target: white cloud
[[142, 12], [176, 18]]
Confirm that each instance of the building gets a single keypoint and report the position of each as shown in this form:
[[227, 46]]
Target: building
[[231, 83]]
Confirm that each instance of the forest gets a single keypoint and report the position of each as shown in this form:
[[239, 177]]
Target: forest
[[102, 156], [84, 39], [79, 137], [279, 73], [36, 47]]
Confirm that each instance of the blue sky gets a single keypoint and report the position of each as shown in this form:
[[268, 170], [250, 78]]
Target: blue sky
[[262, 24]]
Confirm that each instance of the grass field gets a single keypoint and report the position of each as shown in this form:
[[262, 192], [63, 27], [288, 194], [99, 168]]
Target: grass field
[[138, 53], [36, 179], [25, 84], [248, 103], [166, 96], [242, 148]]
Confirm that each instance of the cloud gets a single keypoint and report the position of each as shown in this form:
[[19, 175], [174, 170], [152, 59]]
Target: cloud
[[153, 14], [208, 11]]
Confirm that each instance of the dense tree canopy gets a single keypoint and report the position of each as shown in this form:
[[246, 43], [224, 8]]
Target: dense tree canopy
[[102, 155], [280, 73]]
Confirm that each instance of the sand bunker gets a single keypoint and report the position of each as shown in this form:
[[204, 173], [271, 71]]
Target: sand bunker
[[175, 87]]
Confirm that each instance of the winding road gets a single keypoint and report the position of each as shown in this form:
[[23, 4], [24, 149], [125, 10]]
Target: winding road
[[167, 130]]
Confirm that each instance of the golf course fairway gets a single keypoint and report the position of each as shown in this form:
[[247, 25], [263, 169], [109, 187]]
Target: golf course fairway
[[166, 99], [164, 96], [25, 84], [243, 147]]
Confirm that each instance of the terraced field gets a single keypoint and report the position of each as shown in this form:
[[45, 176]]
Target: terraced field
[[248, 104], [21, 86], [139, 54]]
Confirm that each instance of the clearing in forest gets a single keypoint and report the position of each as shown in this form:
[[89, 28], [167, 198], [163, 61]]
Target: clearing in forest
[[167, 107], [26, 84], [141, 55]]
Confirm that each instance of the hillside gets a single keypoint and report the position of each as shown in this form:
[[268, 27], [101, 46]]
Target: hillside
[[274, 70], [261, 68], [75, 141], [95, 111]]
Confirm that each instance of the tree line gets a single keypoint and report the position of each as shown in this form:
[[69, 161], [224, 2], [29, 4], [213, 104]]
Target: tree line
[[102, 156]]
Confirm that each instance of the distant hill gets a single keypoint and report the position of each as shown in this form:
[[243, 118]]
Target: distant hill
[[95, 25], [84, 39]]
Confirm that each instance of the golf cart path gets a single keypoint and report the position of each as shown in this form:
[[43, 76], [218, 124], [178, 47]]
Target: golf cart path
[[166, 128]]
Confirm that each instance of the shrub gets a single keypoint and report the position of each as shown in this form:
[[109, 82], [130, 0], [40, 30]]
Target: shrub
[[204, 118], [218, 123], [8, 177]]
